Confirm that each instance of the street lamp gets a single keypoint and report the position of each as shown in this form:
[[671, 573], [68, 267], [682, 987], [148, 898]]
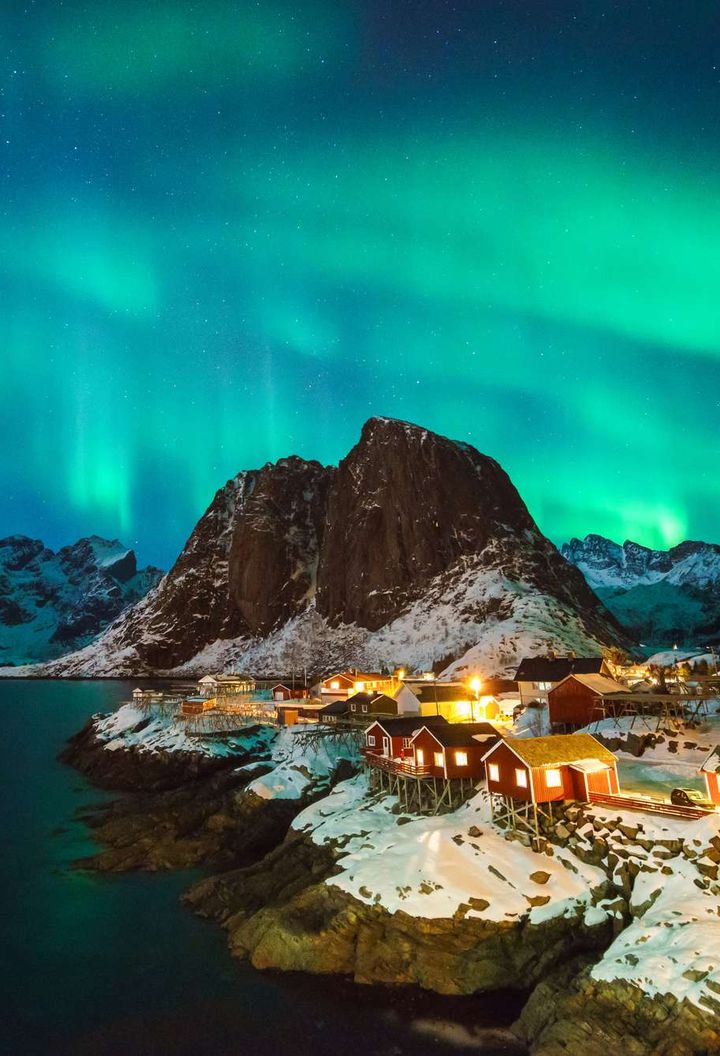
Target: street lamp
[[475, 685]]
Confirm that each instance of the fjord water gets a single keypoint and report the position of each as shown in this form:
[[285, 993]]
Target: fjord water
[[95, 964]]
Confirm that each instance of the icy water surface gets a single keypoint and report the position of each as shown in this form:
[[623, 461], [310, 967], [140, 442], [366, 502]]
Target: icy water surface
[[115, 965]]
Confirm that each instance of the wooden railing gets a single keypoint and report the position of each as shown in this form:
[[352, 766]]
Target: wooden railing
[[395, 766], [649, 806]]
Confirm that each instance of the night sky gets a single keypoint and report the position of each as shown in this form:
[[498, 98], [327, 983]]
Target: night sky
[[234, 231]]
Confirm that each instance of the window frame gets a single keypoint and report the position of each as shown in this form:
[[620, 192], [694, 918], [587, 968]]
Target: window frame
[[493, 772], [521, 777]]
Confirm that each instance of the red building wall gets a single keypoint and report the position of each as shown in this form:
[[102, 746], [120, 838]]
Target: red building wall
[[426, 743], [571, 703], [712, 784]]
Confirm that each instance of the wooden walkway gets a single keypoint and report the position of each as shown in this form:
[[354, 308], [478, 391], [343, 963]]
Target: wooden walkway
[[649, 806]]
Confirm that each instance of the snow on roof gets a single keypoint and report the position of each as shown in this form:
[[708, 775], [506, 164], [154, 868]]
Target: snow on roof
[[555, 668], [598, 683], [589, 766], [556, 749]]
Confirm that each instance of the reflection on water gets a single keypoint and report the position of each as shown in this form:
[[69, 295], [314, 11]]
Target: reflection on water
[[114, 965]]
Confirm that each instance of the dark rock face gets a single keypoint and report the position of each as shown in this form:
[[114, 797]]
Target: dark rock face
[[248, 565], [406, 505], [277, 542], [51, 603]]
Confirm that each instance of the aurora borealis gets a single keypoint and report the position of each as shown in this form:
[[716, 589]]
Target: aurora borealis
[[234, 231]]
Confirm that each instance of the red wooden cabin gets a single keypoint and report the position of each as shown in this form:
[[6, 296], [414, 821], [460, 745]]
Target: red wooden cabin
[[392, 738], [710, 770], [578, 700], [453, 750], [290, 691], [547, 769]]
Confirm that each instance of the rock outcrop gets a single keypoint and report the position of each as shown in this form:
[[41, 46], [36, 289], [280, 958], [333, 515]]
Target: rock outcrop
[[410, 528], [279, 914]]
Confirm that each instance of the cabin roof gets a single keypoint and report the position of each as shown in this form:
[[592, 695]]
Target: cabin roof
[[357, 676], [406, 724], [557, 749], [556, 668], [289, 685], [600, 684], [336, 707], [462, 733], [432, 692]]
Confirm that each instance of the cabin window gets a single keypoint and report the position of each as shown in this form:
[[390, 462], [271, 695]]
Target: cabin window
[[359, 687], [353, 707], [438, 758], [407, 741], [335, 684], [493, 772], [461, 758], [371, 739], [544, 686], [553, 779], [364, 707], [521, 778], [420, 756]]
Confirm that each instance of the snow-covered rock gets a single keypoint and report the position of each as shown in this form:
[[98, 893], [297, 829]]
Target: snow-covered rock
[[660, 596], [52, 603]]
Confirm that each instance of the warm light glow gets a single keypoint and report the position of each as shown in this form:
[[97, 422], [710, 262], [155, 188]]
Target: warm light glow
[[335, 684], [359, 687], [461, 758], [475, 684], [438, 758], [463, 709], [419, 756], [401, 674], [493, 772], [521, 778], [553, 779]]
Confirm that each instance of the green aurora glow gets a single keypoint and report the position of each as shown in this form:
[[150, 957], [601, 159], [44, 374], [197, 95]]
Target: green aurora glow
[[234, 231]]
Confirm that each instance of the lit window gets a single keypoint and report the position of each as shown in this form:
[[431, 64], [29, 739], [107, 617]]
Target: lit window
[[359, 687], [371, 740], [420, 756], [493, 772], [521, 778], [461, 758], [553, 779], [438, 758], [335, 684], [364, 707]]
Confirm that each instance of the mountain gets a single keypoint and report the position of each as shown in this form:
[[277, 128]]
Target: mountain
[[415, 550], [661, 597], [52, 603]]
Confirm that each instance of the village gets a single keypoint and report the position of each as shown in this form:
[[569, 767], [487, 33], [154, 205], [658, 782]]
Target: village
[[565, 729]]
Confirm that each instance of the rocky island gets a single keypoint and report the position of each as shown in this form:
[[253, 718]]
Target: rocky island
[[612, 929]]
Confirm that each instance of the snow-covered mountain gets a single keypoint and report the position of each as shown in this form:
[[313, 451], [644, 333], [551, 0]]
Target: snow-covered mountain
[[52, 603], [415, 550], [660, 596]]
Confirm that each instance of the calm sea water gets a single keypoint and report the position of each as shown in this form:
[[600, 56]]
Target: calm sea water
[[115, 965]]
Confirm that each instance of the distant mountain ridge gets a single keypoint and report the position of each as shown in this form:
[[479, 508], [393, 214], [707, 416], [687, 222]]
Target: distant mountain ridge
[[661, 597], [52, 603], [416, 549]]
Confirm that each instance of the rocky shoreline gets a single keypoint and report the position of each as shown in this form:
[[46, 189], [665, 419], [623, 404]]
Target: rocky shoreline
[[280, 889]]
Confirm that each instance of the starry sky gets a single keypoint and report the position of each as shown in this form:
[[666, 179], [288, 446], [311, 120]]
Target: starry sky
[[231, 231]]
